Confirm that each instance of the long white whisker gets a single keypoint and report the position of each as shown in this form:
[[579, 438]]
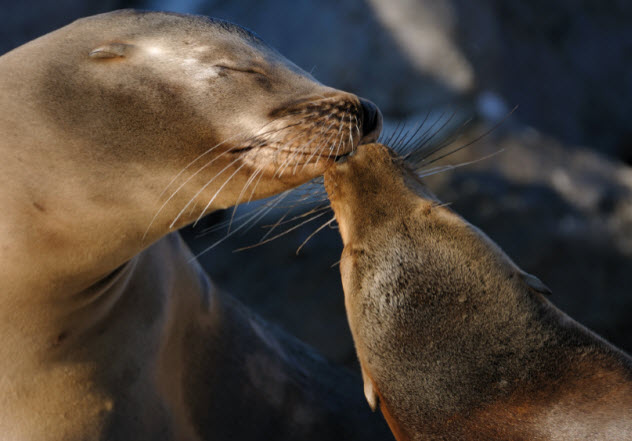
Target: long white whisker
[[350, 134], [203, 188], [269, 206], [243, 190], [302, 149], [283, 233], [338, 134], [298, 250], [341, 138], [441, 169], [319, 147], [200, 156], [325, 144], [287, 160], [282, 221], [273, 227], [357, 126], [217, 193], [298, 216], [249, 223], [209, 163]]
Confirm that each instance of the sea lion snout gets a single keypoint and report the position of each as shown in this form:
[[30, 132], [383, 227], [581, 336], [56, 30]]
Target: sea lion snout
[[360, 188]]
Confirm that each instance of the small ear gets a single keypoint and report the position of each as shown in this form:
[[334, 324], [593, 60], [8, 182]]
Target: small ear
[[369, 391], [536, 284], [111, 50]]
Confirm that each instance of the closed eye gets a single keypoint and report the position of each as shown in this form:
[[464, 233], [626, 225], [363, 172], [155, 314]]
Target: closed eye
[[241, 69]]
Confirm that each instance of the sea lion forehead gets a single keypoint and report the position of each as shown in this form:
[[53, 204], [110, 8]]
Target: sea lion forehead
[[160, 31], [192, 28]]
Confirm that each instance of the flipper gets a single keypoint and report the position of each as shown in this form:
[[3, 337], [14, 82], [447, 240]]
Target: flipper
[[535, 283], [369, 391]]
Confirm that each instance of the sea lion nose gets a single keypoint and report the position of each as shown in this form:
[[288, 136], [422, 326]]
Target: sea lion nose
[[371, 122]]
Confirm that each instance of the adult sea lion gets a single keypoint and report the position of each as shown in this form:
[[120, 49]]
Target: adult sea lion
[[103, 335], [454, 340]]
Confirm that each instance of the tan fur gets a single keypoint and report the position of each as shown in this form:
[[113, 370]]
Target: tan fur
[[103, 335], [457, 341]]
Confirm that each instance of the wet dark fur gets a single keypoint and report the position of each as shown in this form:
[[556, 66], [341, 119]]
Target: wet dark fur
[[457, 340]]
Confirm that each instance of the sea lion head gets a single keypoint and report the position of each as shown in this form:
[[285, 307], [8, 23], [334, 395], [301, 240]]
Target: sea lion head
[[157, 95], [370, 186]]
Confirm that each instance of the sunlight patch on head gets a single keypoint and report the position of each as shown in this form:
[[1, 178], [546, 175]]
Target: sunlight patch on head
[[155, 50]]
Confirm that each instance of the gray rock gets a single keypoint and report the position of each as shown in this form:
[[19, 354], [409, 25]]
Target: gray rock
[[566, 63]]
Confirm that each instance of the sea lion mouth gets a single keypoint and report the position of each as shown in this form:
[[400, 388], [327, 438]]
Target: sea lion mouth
[[340, 159]]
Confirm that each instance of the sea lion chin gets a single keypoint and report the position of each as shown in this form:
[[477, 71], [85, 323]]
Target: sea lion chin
[[454, 340]]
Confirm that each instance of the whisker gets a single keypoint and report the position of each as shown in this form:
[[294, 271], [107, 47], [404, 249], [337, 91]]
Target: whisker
[[217, 193], [243, 190], [283, 233], [298, 250], [323, 145], [230, 139], [425, 140], [350, 134], [203, 188], [288, 159], [248, 224], [419, 153], [299, 150], [282, 221], [402, 147], [269, 206], [194, 161], [312, 155], [402, 135], [478, 138], [434, 170], [341, 133], [357, 126], [178, 189], [205, 166], [298, 216], [318, 148], [337, 134]]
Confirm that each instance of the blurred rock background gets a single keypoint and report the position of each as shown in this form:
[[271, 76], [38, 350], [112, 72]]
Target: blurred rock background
[[558, 198]]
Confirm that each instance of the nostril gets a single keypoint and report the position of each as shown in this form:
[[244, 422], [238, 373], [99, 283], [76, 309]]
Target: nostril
[[371, 121], [369, 116]]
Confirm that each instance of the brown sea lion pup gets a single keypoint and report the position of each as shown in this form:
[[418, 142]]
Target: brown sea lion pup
[[454, 340], [108, 330]]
